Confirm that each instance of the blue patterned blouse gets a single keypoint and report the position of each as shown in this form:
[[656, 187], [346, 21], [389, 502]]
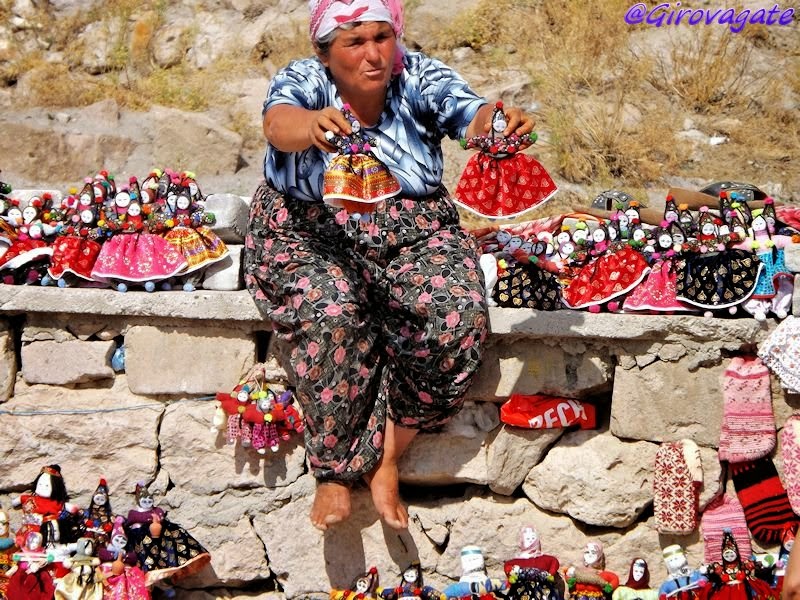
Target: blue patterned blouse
[[427, 101]]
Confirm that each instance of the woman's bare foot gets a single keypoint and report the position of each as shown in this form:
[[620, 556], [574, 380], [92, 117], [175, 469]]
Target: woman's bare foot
[[331, 504], [384, 484]]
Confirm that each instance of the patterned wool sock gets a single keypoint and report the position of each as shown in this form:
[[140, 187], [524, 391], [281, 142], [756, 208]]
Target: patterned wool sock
[[676, 488], [790, 452], [748, 424], [764, 500], [724, 513]]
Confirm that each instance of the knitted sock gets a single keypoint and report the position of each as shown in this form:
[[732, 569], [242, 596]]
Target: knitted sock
[[748, 425], [724, 513], [790, 452], [764, 500]]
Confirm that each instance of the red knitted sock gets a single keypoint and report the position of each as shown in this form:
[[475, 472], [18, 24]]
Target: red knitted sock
[[748, 424], [764, 500]]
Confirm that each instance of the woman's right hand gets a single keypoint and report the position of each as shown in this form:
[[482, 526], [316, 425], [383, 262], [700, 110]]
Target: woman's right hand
[[329, 119]]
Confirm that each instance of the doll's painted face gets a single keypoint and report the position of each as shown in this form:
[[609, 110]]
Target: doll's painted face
[[99, 191], [410, 575], [183, 202], [590, 555], [15, 216], [707, 228], [729, 555], [675, 562], [122, 199], [87, 216], [362, 585], [664, 240], [632, 215], [134, 209], [789, 544], [34, 541], [599, 235], [562, 237], [514, 244], [529, 537], [670, 215], [623, 220], [146, 501], [503, 237], [638, 235], [579, 236], [566, 248], [740, 231], [242, 396], [44, 486], [527, 247], [638, 570], [119, 542], [759, 223], [678, 238], [29, 214], [3, 524], [265, 404], [472, 561], [99, 498], [85, 199]]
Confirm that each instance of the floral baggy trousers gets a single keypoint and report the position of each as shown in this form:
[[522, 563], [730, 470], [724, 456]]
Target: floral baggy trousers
[[385, 316]]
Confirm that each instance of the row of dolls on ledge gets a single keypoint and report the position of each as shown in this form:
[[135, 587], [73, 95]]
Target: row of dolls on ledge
[[534, 575], [152, 234], [712, 259], [60, 550]]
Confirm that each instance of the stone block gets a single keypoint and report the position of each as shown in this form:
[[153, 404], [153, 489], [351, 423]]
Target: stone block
[[191, 360], [67, 363], [529, 366], [231, 213], [678, 403], [792, 258], [103, 432], [442, 459], [187, 441], [225, 275], [594, 478], [513, 453], [8, 362]]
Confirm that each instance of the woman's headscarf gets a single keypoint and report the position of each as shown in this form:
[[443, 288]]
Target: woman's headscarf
[[327, 15]]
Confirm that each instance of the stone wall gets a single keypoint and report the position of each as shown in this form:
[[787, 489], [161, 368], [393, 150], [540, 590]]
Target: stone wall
[[652, 379]]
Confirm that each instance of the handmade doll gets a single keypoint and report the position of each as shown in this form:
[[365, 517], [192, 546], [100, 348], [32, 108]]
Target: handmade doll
[[591, 581], [671, 213], [84, 580], [773, 291], [99, 519], [190, 231], [531, 573], [683, 582], [638, 584], [133, 255], [123, 578], [501, 181], [734, 577], [42, 509], [474, 580], [411, 586], [7, 549], [165, 549], [364, 587], [713, 277], [356, 179], [76, 249], [657, 293], [779, 572], [29, 251], [264, 415], [30, 578]]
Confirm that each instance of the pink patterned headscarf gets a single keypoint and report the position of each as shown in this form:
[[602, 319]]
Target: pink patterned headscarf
[[327, 15]]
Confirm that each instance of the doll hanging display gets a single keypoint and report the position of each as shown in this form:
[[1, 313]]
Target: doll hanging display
[[164, 549], [533, 574], [257, 414], [502, 181], [355, 178], [124, 579]]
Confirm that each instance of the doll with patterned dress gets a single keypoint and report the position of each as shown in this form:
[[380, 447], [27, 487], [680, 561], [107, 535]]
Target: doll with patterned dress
[[531, 573], [714, 277], [133, 255], [84, 581], [411, 586], [99, 518], [165, 549], [775, 284], [77, 246], [734, 577], [27, 256], [591, 581], [124, 580], [637, 587]]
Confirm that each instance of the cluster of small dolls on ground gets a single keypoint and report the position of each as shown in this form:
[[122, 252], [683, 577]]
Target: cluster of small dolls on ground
[[153, 234], [711, 252], [534, 575], [62, 551]]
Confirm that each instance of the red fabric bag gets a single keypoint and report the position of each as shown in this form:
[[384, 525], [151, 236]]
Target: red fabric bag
[[547, 412]]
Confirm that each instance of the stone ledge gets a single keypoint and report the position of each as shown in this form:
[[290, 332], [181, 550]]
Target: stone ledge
[[238, 306]]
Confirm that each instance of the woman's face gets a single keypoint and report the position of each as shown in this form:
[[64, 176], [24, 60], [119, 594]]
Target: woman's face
[[361, 59]]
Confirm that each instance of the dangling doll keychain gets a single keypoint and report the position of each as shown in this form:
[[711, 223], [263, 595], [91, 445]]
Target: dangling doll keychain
[[501, 181]]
